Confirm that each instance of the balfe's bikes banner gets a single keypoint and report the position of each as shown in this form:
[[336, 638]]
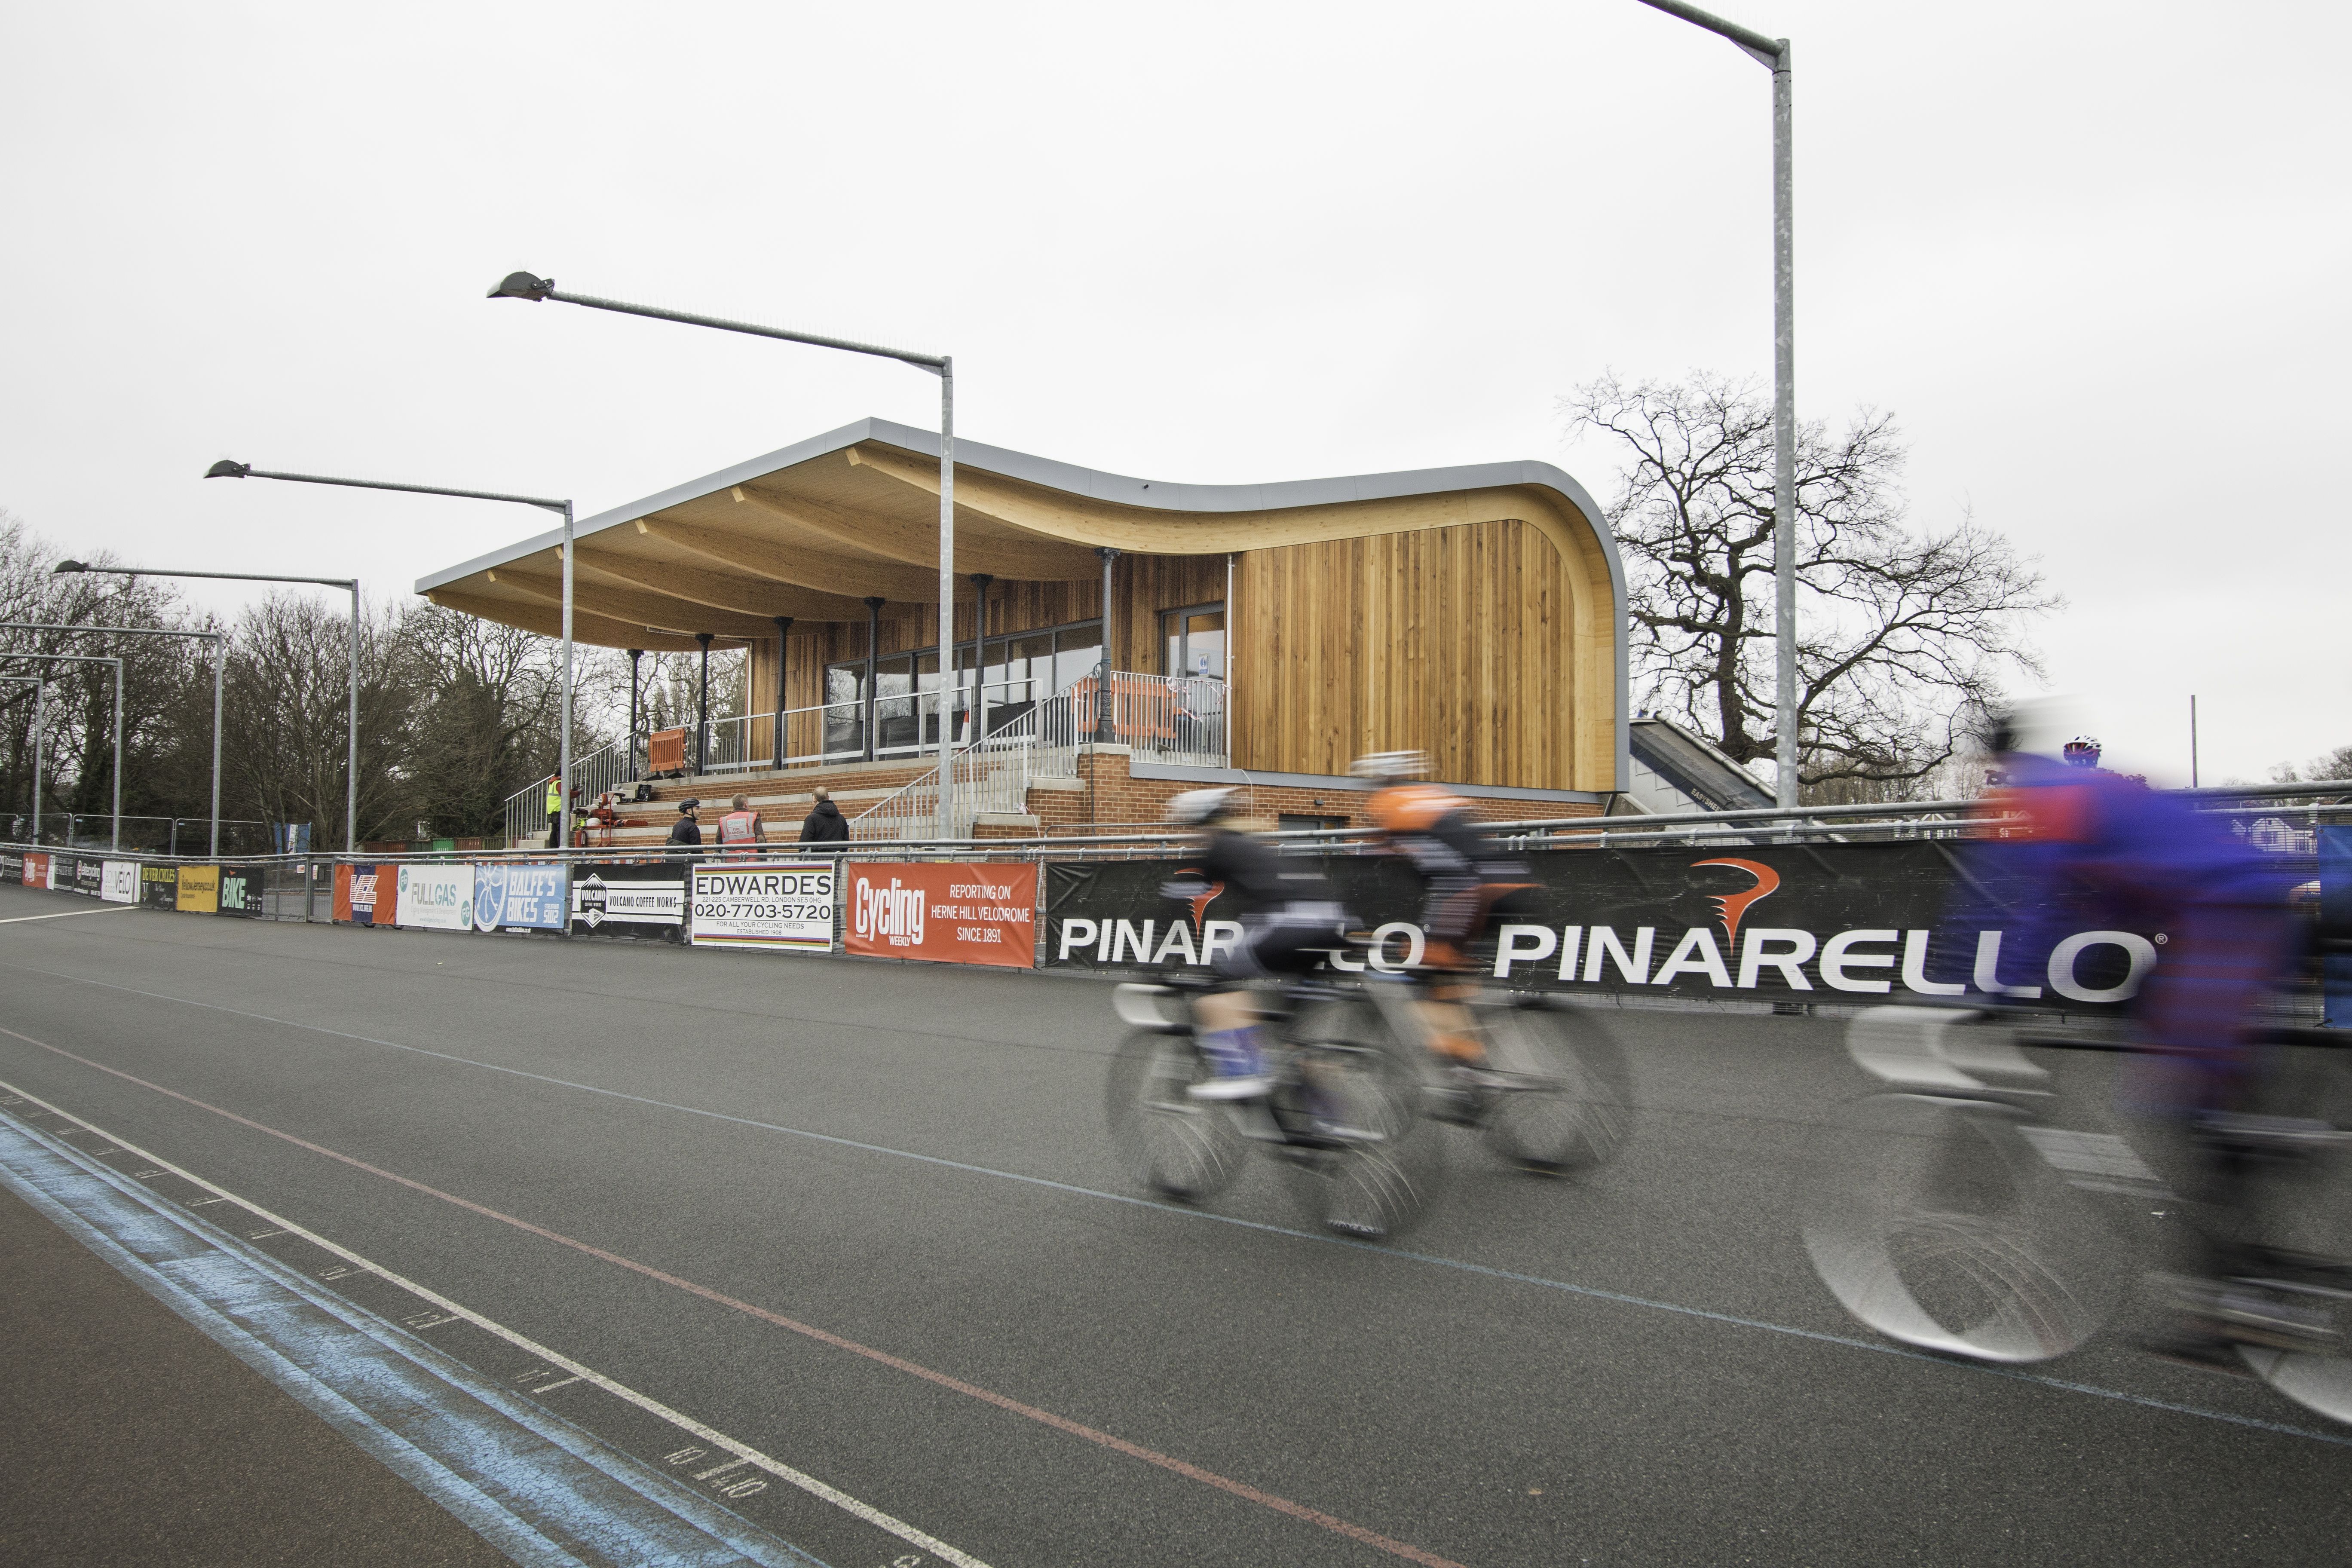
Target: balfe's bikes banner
[[630, 897], [953, 912], [520, 895], [782, 905], [436, 897], [1763, 922]]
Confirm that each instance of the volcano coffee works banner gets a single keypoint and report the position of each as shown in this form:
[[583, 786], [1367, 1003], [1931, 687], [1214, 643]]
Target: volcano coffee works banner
[[159, 886], [1828, 921], [117, 881], [785, 905], [954, 913], [436, 897], [630, 897], [520, 895]]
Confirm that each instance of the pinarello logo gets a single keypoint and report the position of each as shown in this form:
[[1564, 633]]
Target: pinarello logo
[[1731, 907], [1199, 903]]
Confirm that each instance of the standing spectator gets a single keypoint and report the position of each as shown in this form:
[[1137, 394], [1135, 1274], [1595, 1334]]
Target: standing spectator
[[688, 830], [742, 824], [824, 823]]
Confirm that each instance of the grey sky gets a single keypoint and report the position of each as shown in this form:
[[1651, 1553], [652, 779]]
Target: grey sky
[[2092, 254]]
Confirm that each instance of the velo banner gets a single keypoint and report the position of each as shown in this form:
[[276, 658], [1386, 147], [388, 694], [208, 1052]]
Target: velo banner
[[520, 895], [948, 912], [434, 897], [783, 905], [119, 881]]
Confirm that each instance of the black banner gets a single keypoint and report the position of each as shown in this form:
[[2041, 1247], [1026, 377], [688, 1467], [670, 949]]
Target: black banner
[[159, 886], [630, 897], [241, 891], [1825, 921], [12, 865], [89, 878]]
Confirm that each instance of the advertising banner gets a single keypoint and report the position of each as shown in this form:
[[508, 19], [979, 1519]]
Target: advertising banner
[[34, 870], [434, 898], [355, 893], [117, 881], [12, 865], [526, 895], [2335, 922], [387, 895], [634, 898], [241, 890], [90, 878], [1824, 921], [782, 904], [954, 913], [198, 893], [159, 886]]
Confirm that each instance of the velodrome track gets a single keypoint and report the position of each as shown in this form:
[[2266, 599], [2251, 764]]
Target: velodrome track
[[861, 1223]]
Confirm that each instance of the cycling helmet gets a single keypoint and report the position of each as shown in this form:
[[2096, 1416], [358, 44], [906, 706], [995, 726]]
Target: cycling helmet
[[1200, 807], [1390, 767], [2081, 751]]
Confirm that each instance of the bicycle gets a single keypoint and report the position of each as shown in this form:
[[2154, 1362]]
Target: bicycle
[[1959, 1219], [1342, 1116]]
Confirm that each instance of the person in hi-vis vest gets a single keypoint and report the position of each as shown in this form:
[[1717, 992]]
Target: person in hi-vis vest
[[742, 824], [555, 814]]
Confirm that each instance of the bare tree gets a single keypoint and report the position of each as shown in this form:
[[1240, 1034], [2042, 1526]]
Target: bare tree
[[1901, 631]]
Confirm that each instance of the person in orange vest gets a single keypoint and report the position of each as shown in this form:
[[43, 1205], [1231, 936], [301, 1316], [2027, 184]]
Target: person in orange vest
[[742, 825]]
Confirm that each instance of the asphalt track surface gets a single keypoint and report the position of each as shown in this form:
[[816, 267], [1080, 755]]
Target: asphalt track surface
[[863, 1220]]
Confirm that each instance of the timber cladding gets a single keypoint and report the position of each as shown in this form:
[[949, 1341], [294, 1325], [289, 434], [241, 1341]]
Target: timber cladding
[[1459, 641]]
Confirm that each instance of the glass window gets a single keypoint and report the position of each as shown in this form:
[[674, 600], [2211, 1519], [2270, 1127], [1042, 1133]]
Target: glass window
[[844, 713], [894, 728], [1195, 641], [1078, 652]]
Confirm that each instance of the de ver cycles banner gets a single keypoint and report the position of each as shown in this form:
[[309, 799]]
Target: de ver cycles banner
[[1838, 920]]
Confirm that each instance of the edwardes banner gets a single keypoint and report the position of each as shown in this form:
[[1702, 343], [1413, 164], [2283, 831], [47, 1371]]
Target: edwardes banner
[[784, 905], [1836, 921], [955, 913], [436, 898], [525, 895], [631, 898], [119, 881]]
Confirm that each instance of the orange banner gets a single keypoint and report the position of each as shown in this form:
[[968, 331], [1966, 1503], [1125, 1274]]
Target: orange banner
[[953, 913]]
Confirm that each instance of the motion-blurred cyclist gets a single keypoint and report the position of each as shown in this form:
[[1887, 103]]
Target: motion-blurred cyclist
[[2093, 848], [1464, 877], [1290, 921]]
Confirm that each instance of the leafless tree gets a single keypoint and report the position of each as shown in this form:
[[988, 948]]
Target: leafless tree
[[1901, 630]]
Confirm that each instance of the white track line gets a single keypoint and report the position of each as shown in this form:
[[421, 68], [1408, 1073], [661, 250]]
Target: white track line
[[69, 914], [744, 1452]]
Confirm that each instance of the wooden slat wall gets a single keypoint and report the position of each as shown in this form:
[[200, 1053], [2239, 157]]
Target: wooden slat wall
[[1447, 640]]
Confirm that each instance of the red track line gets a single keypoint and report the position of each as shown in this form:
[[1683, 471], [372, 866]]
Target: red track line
[[1060, 1423]]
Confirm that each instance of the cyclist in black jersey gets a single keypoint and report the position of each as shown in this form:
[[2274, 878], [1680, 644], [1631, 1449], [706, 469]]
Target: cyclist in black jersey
[[1290, 921]]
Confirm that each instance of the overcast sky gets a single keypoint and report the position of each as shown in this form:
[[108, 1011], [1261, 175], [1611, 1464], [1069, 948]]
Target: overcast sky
[[2095, 256]]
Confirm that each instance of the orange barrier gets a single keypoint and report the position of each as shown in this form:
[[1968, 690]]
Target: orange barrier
[[665, 751]]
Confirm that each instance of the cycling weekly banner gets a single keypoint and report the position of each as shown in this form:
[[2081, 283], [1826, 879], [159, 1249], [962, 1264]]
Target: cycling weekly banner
[[1824, 921], [784, 906], [951, 912]]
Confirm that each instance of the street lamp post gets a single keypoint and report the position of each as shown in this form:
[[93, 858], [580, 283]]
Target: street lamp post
[[524, 286], [116, 838], [226, 469], [220, 660], [352, 584], [1773, 55]]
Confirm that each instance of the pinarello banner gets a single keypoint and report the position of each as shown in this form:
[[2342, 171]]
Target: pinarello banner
[[1840, 922], [955, 913], [241, 891]]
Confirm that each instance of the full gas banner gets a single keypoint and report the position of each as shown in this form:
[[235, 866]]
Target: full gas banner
[[36, 872], [955, 914], [159, 886], [199, 890], [119, 881], [1828, 922], [435, 897], [241, 891], [520, 895]]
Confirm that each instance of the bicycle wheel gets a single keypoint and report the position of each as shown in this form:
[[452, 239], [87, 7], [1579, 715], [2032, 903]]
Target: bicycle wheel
[[1935, 1223], [1567, 1101], [1170, 1143], [1373, 1166]]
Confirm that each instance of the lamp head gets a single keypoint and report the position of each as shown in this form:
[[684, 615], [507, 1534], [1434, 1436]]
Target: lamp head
[[63, 567], [228, 469], [523, 286]]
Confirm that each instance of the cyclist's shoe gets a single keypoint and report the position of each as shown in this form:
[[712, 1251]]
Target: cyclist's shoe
[[1237, 1065], [2217, 1316], [1462, 1074]]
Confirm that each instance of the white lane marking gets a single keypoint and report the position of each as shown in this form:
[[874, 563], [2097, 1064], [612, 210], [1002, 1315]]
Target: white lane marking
[[554, 1359], [69, 914]]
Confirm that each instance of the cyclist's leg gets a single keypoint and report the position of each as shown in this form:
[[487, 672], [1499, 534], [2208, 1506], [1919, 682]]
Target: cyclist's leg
[[1229, 1033], [1450, 915]]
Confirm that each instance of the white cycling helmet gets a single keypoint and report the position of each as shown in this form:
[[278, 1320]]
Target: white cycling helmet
[[1198, 807]]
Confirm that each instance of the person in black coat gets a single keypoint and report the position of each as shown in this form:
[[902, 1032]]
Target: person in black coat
[[824, 825], [687, 831]]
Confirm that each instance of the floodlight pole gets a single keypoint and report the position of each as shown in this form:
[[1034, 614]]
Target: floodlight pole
[[1773, 55], [220, 658], [524, 286], [116, 838], [226, 469]]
